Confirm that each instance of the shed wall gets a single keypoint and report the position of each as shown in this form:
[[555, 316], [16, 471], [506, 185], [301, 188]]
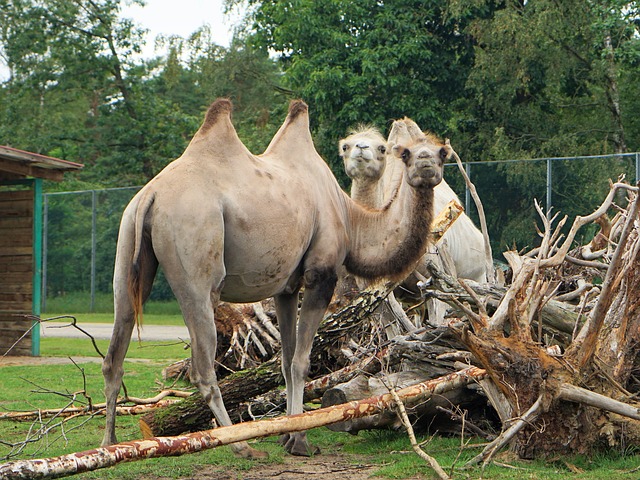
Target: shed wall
[[16, 270]]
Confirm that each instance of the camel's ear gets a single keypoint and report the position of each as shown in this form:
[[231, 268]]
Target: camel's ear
[[402, 152], [398, 132], [446, 152], [413, 129]]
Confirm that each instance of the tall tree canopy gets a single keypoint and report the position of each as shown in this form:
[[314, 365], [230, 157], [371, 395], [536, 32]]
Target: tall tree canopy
[[367, 62], [78, 90], [503, 79]]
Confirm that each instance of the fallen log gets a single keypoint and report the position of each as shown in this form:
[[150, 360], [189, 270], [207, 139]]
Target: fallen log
[[103, 457], [364, 386], [192, 414]]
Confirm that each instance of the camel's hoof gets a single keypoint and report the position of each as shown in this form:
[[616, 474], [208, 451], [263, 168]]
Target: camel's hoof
[[251, 453], [298, 445]]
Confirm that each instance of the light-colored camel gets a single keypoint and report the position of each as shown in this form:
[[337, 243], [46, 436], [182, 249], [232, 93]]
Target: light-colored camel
[[376, 175], [225, 224]]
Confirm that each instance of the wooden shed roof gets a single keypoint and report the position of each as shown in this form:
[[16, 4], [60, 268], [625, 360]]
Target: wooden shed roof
[[18, 164]]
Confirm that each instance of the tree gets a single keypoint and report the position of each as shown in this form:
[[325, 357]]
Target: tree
[[546, 78], [363, 62]]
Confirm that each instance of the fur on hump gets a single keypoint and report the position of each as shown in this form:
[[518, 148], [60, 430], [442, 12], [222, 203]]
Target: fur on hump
[[220, 106], [217, 138], [294, 130]]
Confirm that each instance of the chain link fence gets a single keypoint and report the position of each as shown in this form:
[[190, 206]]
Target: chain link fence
[[81, 228]]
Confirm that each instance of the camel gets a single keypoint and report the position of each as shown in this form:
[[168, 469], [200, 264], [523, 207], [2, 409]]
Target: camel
[[225, 224], [376, 174]]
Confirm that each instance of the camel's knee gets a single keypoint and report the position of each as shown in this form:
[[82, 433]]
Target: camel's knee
[[300, 367], [321, 280]]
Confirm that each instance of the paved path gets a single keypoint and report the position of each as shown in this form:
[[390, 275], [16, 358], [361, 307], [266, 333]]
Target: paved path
[[102, 331]]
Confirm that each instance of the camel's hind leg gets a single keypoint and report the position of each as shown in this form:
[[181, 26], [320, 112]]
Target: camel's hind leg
[[197, 290], [112, 365]]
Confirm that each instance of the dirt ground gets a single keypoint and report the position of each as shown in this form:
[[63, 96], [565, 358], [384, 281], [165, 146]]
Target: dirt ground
[[325, 467]]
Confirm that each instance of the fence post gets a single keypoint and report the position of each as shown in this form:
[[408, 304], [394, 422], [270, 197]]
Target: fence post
[[93, 251], [637, 167], [549, 184], [45, 233], [36, 292]]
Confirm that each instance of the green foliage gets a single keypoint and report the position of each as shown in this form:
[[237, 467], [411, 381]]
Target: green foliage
[[503, 80], [363, 62]]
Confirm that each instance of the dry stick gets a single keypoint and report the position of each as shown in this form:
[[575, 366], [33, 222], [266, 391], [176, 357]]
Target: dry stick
[[491, 276], [573, 393], [528, 264], [584, 345], [265, 320], [412, 437], [194, 442], [506, 436]]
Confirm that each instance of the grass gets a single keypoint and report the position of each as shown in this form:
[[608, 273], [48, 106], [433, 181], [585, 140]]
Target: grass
[[30, 387], [80, 302]]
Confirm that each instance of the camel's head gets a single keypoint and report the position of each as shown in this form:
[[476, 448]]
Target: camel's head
[[424, 159], [363, 153]]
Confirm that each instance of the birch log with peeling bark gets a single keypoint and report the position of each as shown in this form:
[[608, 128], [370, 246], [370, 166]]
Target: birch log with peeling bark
[[172, 446]]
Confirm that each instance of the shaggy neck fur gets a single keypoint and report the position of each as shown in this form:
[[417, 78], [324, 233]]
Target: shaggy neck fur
[[389, 242]]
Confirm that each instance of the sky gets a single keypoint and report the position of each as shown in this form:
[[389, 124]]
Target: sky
[[180, 17], [174, 17]]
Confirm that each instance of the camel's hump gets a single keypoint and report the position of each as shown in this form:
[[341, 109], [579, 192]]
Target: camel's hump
[[221, 106], [296, 107]]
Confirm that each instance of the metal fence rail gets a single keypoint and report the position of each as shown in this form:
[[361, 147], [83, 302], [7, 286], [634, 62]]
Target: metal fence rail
[[80, 227]]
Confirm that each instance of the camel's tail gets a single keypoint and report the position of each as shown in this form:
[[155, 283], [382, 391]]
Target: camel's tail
[[141, 252]]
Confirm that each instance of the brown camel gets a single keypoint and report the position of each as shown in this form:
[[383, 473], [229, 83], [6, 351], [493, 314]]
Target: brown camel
[[375, 178], [227, 225]]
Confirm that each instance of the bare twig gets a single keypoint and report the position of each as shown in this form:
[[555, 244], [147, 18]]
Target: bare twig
[[412, 437], [491, 276], [506, 436]]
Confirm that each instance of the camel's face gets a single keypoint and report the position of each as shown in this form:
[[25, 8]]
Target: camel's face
[[363, 154], [424, 160]]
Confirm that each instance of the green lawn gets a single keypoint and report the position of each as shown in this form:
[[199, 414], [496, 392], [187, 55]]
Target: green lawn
[[54, 386]]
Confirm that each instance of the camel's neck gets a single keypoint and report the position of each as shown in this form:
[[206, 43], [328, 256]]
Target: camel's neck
[[389, 242], [369, 194]]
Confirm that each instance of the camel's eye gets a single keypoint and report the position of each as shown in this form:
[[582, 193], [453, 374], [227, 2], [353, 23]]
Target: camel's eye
[[382, 149]]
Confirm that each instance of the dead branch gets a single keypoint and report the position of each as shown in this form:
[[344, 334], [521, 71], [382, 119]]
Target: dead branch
[[584, 344], [491, 275], [90, 408], [573, 393], [402, 412]]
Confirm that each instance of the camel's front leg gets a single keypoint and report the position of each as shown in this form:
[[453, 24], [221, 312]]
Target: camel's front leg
[[319, 286]]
